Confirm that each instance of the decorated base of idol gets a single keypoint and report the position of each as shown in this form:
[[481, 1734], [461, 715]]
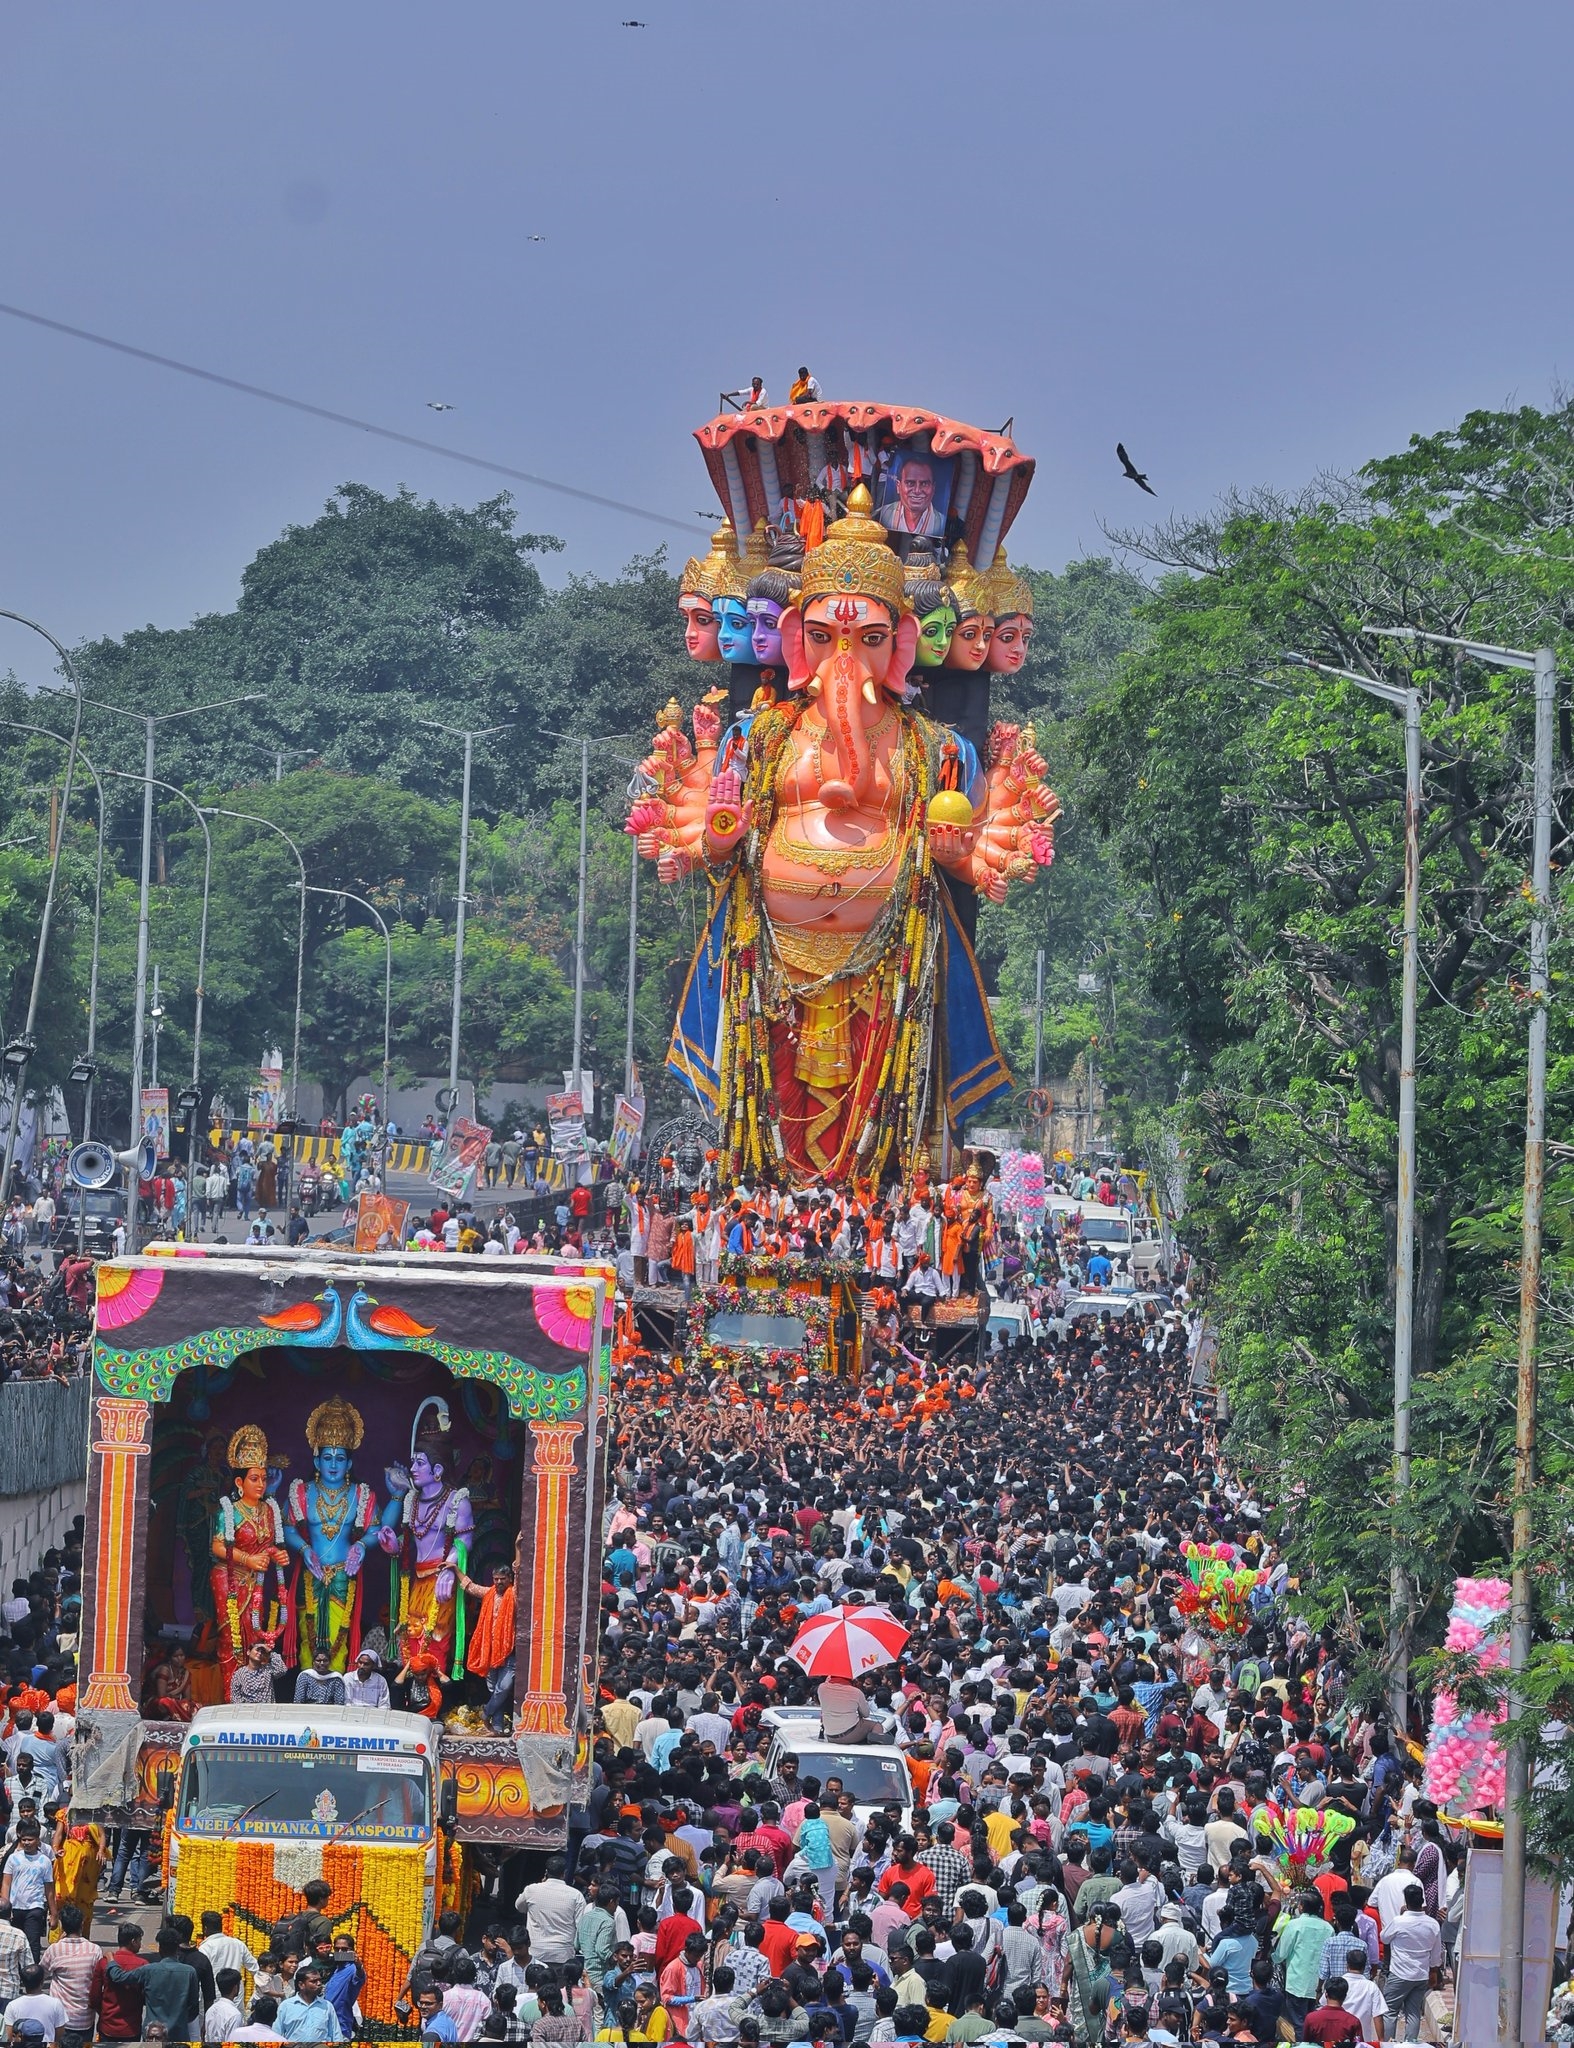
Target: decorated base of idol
[[846, 796]]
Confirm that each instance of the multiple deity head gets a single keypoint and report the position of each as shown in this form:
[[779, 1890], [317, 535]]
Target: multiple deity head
[[734, 605]]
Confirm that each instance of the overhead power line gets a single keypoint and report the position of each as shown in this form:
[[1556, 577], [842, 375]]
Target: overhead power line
[[344, 419]]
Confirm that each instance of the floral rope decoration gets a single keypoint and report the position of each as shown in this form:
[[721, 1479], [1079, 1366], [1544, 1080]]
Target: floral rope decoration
[[812, 1310], [790, 1266]]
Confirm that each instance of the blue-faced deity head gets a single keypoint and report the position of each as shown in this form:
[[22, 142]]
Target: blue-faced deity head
[[734, 630], [333, 1464]]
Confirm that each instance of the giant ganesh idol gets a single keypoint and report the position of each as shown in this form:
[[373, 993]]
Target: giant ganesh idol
[[833, 1019]]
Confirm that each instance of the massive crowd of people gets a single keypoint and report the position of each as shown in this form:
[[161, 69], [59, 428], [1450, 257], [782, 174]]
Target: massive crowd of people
[[1040, 1821]]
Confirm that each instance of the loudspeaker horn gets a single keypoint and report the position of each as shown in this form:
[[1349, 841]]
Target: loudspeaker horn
[[143, 1155], [91, 1165]]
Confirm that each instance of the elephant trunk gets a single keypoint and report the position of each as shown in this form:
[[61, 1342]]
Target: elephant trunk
[[847, 694]]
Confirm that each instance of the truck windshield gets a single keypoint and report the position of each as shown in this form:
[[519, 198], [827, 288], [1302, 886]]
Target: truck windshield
[[369, 1797]]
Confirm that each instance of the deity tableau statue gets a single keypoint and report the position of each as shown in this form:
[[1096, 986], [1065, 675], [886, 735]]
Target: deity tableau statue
[[330, 1519], [427, 1526], [249, 1557], [834, 1012]]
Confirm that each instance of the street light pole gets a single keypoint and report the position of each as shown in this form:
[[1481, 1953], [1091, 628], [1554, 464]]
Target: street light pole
[[579, 921], [88, 1059], [1038, 1024], [16, 1064], [628, 1028], [252, 818], [202, 968], [469, 737], [1407, 701], [349, 896], [1516, 1793], [148, 720]]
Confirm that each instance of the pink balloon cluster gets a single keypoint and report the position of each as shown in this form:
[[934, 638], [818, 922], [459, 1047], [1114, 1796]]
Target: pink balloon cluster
[[1464, 1763]]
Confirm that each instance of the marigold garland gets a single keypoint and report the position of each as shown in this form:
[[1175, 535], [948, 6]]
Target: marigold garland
[[378, 1895]]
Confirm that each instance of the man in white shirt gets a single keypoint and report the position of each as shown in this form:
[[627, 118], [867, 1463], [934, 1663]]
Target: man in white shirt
[[552, 1911], [225, 2014], [1415, 1962], [366, 1686], [1362, 1999]]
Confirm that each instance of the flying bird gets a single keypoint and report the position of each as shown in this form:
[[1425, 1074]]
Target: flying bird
[[1133, 472], [535, 238], [633, 24], [439, 405]]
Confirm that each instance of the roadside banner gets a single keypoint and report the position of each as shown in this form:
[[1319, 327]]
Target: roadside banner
[[379, 1222], [263, 1098], [456, 1160], [155, 1119], [566, 1120], [628, 1124]]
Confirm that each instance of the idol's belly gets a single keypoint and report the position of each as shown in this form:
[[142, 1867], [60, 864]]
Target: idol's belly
[[829, 871]]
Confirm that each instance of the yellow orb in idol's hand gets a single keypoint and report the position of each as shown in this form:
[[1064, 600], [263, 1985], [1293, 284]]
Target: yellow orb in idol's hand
[[950, 807]]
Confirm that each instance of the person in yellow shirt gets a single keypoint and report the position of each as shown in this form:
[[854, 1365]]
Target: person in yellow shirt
[[620, 1717], [1002, 1829]]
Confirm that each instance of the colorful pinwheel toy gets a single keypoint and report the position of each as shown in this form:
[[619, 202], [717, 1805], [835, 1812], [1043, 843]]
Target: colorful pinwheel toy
[[1302, 1836]]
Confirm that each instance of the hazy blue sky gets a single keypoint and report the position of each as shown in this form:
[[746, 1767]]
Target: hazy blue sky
[[1252, 241]]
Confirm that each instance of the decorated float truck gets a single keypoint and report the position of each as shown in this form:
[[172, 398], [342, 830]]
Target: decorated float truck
[[292, 1452]]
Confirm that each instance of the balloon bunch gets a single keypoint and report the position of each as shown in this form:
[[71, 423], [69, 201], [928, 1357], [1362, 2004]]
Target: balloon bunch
[[1464, 1763], [1219, 1588], [1302, 1836]]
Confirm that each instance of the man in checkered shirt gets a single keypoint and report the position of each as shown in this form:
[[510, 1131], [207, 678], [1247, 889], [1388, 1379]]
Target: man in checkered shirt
[[951, 1868]]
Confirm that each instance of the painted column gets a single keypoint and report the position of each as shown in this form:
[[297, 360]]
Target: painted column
[[118, 1445], [543, 1709]]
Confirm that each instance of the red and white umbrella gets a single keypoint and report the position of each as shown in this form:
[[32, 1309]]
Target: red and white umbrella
[[847, 1642]]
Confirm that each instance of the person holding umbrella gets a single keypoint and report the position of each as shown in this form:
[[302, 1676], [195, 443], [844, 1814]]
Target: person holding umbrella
[[838, 1648]]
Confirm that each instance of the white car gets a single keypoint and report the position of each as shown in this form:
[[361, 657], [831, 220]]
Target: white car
[[874, 1773]]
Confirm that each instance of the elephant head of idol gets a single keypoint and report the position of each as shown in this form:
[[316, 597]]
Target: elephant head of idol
[[848, 644]]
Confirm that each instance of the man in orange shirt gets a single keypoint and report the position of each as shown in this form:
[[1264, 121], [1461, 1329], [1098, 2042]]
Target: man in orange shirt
[[906, 1869]]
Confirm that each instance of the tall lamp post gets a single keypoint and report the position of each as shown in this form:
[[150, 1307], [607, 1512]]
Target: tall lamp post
[[194, 1093], [149, 720], [584, 742], [252, 818], [1543, 664], [349, 896], [19, 1051], [86, 1066], [470, 736], [1409, 702]]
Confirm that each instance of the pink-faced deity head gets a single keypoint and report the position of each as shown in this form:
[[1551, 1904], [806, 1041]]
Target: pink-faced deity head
[[1009, 599], [1009, 643], [700, 629], [969, 648]]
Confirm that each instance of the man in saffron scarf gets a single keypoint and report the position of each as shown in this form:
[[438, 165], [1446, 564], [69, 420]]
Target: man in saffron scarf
[[491, 1655]]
